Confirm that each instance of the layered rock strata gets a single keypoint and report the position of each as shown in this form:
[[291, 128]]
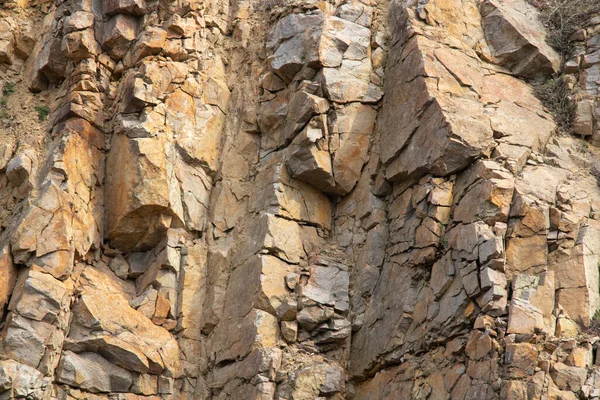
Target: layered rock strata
[[293, 200]]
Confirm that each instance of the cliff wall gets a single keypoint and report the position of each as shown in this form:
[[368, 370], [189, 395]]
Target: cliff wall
[[295, 199]]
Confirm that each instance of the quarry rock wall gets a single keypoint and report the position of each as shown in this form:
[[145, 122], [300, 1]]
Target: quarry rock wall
[[294, 199]]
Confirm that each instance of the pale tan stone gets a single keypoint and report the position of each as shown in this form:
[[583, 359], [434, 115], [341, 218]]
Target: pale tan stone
[[568, 378], [135, 7], [148, 42], [138, 203], [525, 254], [273, 289], [131, 339]]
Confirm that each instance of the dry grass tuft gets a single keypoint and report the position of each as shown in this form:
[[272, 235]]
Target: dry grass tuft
[[558, 99], [562, 18]]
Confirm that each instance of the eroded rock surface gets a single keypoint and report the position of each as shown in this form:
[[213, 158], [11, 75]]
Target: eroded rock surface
[[294, 200]]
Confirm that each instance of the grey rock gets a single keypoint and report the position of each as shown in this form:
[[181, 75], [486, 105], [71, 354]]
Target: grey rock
[[119, 266], [26, 341], [292, 43], [310, 317]]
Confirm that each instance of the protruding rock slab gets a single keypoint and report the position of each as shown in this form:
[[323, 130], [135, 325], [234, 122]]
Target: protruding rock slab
[[89, 371], [517, 38], [425, 130], [104, 322], [138, 204]]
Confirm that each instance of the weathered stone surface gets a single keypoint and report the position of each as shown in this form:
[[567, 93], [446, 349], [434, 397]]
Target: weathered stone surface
[[356, 12], [78, 21], [19, 168], [134, 7], [327, 285], [408, 129], [521, 359], [46, 64], [584, 118], [290, 198], [517, 38], [286, 115], [273, 290], [483, 192], [28, 341], [91, 372], [120, 266], [119, 33], [278, 237], [150, 41], [22, 380], [224, 204], [80, 45], [39, 296], [257, 328], [532, 305], [315, 380], [575, 271], [309, 163], [350, 129], [7, 41], [138, 204], [126, 337], [565, 377], [523, 254], [292, 42], [289, 331]]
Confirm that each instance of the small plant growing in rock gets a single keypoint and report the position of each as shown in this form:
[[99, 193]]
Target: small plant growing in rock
[[445, 244], [557, 98], [43, 112], [596, 174], [3, 108], [8, 89], [583, 147], [594, 328], [563, 18]]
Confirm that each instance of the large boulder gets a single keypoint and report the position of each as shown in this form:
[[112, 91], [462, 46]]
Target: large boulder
[[47, 63]]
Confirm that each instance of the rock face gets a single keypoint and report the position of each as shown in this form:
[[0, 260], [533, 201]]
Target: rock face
[[294, 200], [517, 39]]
